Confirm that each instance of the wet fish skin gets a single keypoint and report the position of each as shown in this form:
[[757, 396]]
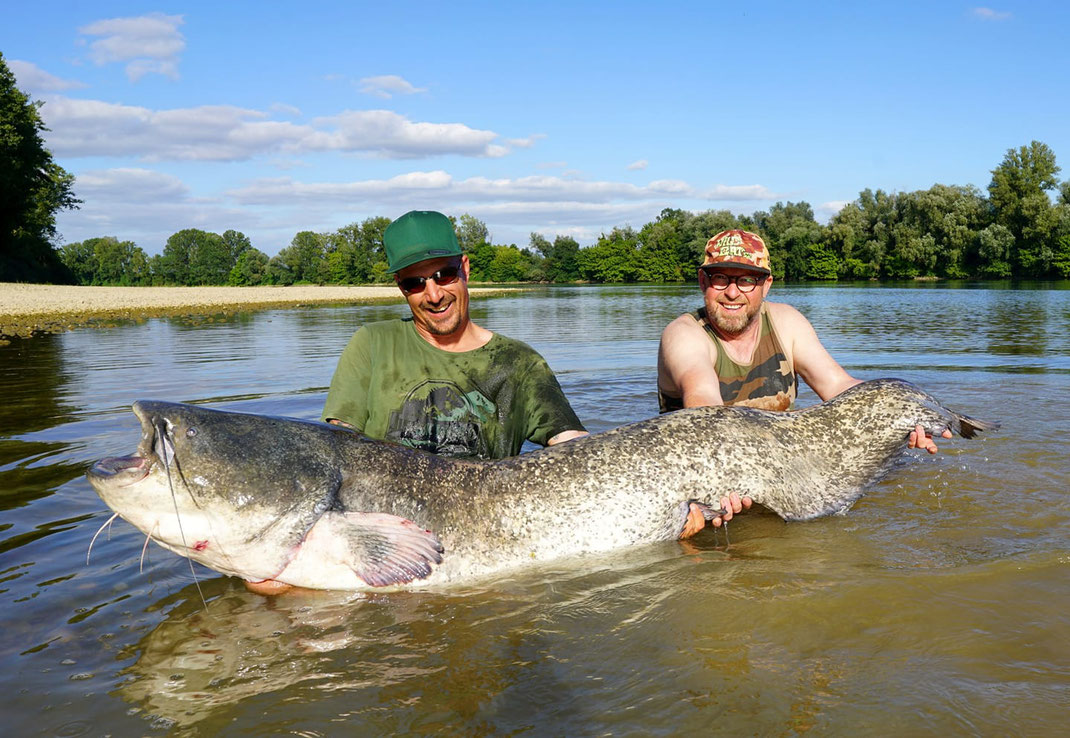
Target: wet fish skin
[[320, 506]]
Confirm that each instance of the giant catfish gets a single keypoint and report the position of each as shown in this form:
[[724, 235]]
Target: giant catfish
[[320, 506]]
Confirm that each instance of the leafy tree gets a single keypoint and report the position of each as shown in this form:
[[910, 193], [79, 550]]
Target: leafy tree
[[1060, 260], [614, 258], [910, 254], [659, 251], [479, 260], [250, 268], [278, 271], [210, 259], [355, 252], [120, 263], [509, 264], [172, 266], [33, 188], [471, 233], [821, 262], [791, 233], [194, 257], [80, 259], [559, 259], [996, 243], [695, 231], [344, 265], [371, 244], [305, 258], [1019, 195], [106, 261], [237, 243]]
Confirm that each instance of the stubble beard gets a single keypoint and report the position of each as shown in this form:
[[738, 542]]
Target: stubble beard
[[443, 328], [733, 323]]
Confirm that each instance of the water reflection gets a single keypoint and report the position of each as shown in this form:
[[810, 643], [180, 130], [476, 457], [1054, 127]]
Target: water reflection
[[34, 374]]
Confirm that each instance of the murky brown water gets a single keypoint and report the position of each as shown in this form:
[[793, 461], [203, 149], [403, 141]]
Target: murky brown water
[[939, 604]]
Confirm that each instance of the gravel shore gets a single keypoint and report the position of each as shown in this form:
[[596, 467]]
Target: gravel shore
[[32, 309]]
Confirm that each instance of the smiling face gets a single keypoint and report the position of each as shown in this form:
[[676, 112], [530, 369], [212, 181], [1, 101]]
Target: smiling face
[[730, 311], [438, 310]]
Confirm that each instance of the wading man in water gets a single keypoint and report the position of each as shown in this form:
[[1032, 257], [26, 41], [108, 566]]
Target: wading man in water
[[739, 349], [436, 381]]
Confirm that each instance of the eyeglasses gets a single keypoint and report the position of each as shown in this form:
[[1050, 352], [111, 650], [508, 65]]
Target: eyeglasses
[[444, 276], [720, 281]]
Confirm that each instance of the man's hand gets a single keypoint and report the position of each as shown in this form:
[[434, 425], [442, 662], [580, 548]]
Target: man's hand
[[696, 513], [267, 587], [919, 439]]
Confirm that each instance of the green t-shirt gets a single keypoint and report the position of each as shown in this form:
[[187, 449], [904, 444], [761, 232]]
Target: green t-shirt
[[392, 384]]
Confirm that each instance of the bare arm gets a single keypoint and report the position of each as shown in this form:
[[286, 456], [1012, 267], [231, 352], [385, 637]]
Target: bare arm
[[686, 364], [567, 436], [809, 358], [686, 367]]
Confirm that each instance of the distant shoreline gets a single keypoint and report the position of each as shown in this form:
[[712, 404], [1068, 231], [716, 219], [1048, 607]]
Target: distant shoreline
[[34, 309]]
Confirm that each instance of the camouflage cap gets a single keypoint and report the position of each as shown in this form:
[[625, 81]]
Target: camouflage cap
[[739, 250]]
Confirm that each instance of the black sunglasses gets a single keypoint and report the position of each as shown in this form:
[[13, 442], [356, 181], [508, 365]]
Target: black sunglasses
[[444, 276], [720, 281]]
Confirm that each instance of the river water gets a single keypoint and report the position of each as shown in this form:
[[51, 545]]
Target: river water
[[940, 603]]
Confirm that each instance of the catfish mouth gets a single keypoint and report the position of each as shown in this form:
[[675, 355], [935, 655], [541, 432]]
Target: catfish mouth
[[122, 471]]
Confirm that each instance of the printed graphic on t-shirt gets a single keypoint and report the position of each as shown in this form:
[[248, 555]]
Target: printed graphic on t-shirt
[[438, 417]]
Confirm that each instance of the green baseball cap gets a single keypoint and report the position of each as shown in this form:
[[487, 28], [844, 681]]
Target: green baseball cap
[[419, 235]]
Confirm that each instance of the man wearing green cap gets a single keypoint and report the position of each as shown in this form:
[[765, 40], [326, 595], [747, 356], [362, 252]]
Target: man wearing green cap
[[436, 381]]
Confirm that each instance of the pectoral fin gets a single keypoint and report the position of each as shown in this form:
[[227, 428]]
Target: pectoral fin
[[356, 550], [384, 549]]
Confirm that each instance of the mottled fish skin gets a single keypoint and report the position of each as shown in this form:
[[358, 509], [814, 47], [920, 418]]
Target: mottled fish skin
[[266, 481]]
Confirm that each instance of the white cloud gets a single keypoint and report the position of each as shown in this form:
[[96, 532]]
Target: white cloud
[[736, 193], [388, 85], [146, 207], [536, 202], [394, 136], [534, 189], [31, 78], [989, 14], [148, 44], [637, 165], [229, 133], [285, 109], [826, 210], [525, 143], [127, 185]]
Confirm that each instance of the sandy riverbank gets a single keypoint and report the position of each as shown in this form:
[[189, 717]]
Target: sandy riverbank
[[32, 309]]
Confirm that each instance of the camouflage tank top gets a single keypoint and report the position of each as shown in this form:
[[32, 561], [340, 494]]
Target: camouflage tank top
[[768, 382]]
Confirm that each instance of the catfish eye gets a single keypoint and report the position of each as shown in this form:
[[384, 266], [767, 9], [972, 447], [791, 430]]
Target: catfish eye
[[191, 432]]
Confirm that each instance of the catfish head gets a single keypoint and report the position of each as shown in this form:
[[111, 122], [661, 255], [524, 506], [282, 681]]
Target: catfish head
[[238, 493]]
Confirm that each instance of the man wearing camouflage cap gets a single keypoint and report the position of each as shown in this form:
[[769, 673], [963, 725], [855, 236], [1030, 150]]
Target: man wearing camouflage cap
[[739, 349]]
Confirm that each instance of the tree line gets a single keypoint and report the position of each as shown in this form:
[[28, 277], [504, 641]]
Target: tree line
[[1018, 228]]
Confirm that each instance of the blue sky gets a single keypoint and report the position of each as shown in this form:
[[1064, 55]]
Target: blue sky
[[560, 118]]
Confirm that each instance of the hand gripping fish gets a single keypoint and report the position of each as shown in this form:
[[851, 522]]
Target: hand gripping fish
[[320, 506]]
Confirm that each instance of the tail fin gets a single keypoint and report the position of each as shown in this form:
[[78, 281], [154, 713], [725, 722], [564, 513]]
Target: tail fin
[[968, 427]]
